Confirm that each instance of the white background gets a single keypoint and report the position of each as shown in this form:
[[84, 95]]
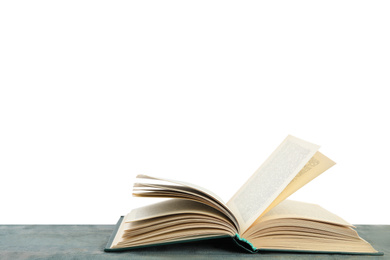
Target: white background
[[94, 92]]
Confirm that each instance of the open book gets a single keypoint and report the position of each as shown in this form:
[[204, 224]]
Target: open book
[[257, 217]]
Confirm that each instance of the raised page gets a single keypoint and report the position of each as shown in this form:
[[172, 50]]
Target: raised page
[[316, 165], [265, 185]]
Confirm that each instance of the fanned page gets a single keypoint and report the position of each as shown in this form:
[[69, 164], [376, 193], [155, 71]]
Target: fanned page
[[185, 184], [313, 168], [155, 187], [171, 220], [273, 176]]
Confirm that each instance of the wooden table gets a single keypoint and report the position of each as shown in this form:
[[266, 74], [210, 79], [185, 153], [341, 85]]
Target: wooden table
[[88, 241]]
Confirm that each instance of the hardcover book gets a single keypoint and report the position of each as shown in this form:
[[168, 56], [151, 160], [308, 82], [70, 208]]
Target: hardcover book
[[258, 217]]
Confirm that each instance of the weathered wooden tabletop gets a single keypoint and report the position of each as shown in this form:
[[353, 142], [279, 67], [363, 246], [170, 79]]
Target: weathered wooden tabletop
[[88, 242]]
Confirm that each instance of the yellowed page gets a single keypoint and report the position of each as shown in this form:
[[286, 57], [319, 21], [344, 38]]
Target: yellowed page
[[192, 192], [302, 210], [118, 237], [170, 207], [205, 220], [265, 185], [316, 165], [185, 184]]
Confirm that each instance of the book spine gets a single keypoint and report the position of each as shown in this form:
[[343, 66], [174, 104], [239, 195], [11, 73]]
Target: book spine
[[245, 244]]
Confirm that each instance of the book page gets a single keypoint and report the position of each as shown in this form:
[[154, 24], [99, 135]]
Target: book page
[[302, 210], [265, 185], [185, 184], [173, 219], [181, 190], [316, 165], [172, 207]]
